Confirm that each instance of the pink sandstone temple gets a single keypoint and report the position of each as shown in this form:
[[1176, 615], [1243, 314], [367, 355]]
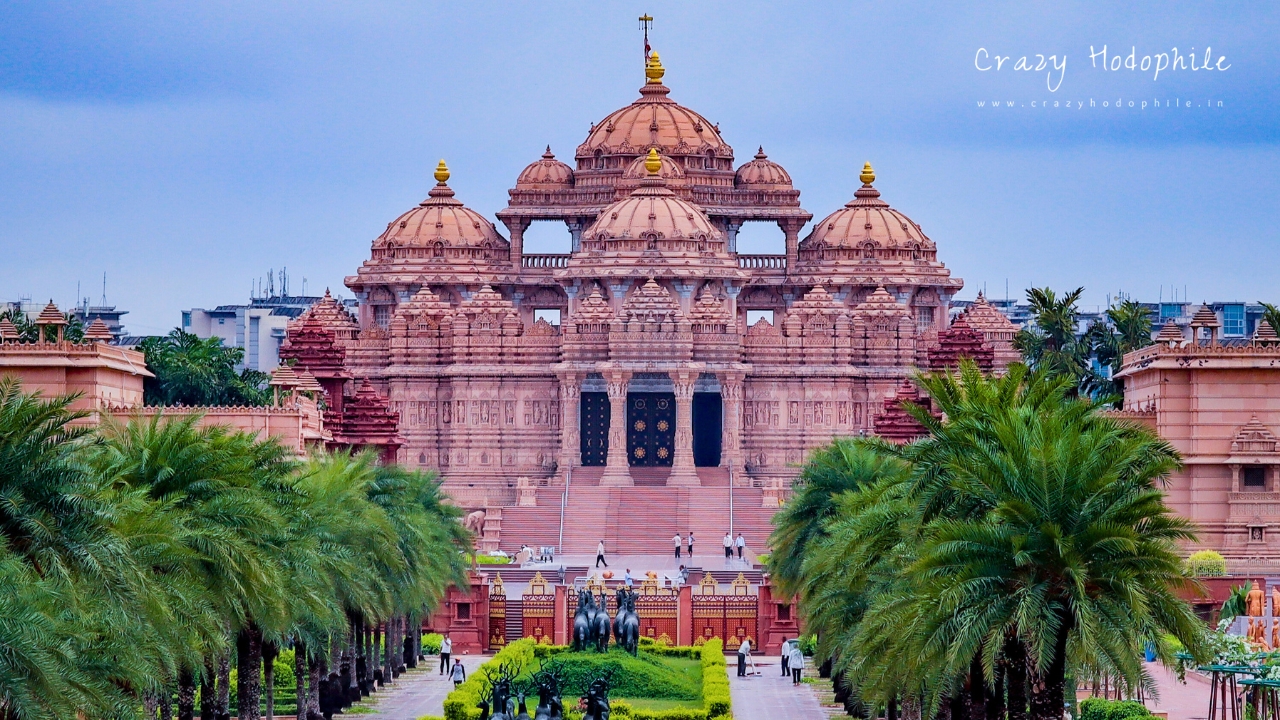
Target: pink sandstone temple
[[628, 367]]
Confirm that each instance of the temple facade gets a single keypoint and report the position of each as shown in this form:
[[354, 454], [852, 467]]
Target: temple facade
[[653, 349]]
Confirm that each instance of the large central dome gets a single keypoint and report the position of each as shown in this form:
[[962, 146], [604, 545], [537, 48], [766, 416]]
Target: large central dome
[[655, 121]]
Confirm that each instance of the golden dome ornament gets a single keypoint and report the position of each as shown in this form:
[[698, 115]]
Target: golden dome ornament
[[442, 172], [653, 163], [653, 69], [868, 175]]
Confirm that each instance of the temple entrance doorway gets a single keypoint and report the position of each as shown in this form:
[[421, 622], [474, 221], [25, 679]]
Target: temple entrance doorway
[[651, 428], [594, 428], [708, 417]]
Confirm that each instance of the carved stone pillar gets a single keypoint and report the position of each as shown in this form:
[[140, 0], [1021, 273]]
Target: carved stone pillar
[[791, 233], [731, 434], [731, 235], [570, 423], [516, 227], [617, 472], [683, 471], [1235, 478], [576, 226]]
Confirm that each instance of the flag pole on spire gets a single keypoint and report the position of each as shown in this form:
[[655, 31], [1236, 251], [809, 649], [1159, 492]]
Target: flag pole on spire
[[644, 25]]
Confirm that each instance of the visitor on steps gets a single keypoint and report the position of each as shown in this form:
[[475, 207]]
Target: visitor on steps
[[742, 544], [786, 657], [458, 674], [690, 543], [743, 650], [626, 578], [600, 555], [446, 648], [728, 546], [677, 541], [796, 663]]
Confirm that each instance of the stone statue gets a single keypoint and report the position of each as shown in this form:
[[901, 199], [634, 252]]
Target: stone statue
[[474, 521], [1275, 602], [549, 682], [582, 621], [1254, 601], [626, 623], [597, 699], [600, 626], [498, 697]]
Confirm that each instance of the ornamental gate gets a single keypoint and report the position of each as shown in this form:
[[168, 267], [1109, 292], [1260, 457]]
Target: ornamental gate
[[539, 610], [729, 617], [594, 428], [651, 428], [497, 615]]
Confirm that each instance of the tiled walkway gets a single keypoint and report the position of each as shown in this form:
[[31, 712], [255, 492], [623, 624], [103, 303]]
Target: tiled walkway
[[771, 696], [416, 693]]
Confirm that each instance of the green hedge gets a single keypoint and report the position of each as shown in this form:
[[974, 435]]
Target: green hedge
[[1099, 709], [431, 643], [461, 703]]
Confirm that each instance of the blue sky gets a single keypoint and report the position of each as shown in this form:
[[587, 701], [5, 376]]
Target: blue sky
[[186, 149]]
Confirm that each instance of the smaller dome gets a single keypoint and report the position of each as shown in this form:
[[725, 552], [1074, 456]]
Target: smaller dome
[[652, 212], [442, 228], [762, 172], [669, 170], [546, 173], [868, 224]]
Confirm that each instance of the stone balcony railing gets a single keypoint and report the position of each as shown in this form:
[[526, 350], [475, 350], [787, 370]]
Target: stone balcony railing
[[545, 261], [776, 263], [1245, 506]]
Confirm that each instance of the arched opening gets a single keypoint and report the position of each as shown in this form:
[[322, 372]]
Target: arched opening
[[547, 237], [761, 238]]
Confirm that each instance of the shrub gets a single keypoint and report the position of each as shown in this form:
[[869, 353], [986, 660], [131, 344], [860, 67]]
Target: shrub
[[461, 703], [431, 643], [1207, 563], [646, 676], [492, 560], [1100, 709]]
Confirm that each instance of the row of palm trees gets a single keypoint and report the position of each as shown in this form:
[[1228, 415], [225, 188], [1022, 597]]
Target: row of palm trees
[[1022, 542], [141, 560]]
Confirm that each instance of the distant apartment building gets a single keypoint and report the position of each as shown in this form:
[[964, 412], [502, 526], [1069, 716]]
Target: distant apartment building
[[258, 327], [1239, 319]]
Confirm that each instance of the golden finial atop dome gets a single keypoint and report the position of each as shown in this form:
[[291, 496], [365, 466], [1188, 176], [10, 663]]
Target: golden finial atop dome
[[868, 175], [653, 163], [653, 69], [442, 172]]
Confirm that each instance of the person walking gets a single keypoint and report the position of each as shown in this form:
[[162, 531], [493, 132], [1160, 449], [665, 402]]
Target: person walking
[[600, 555], [626, 578], [743, 650], [690, 543], [677, 541], [796, 663], [786, 657], [446, 649], [458, 674], [728, 546], [741, 542]]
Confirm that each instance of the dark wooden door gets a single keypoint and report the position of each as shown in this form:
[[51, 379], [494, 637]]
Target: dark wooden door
[[594, 428], [651, 428], [707, 419]]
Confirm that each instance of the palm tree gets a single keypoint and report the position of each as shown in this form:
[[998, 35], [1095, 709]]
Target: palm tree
[[845, 465], [198, 372], [1051, 344]]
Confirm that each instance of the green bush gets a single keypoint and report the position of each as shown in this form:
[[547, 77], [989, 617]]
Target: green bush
[[492, 560], [1207, 563], [646, 676], [431, 643], [1100, 709], [461, 703]]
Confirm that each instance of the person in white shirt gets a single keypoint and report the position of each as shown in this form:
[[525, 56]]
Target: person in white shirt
[[458, 674], [786, 657], [446, 648], [743, 651], [741, 543], [677, 541], [728, 545], [626, 578], [796, 663], [600, 555], [690, 543]]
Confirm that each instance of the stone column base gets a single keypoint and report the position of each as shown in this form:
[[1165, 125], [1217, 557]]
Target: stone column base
[[684, 477], [616, 477]]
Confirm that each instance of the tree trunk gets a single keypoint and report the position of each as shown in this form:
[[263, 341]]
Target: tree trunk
[[209, 692], [249, 667], [995, 702], [302, 674], [186, 695], [315, 671], [379, 673], [1048, 690], [166, 703], [977, 689], [222, 703], [408, 659], [149, 705], [1015, 654], [269, 652]]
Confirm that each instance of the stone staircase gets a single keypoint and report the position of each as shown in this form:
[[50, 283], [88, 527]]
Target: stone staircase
[[639, 520]]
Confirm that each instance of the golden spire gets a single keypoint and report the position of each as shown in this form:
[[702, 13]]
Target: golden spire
[[868, 175], [653, 163], [653, 69], [442, 172]]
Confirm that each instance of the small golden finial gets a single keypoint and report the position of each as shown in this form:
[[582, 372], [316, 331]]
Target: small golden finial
[[868, 175], [442, 173], [654, 70], [653, 163]]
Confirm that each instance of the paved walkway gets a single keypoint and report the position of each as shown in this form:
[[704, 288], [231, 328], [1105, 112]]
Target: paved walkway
[[1188, 701], [418, 692], [771, 696]]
